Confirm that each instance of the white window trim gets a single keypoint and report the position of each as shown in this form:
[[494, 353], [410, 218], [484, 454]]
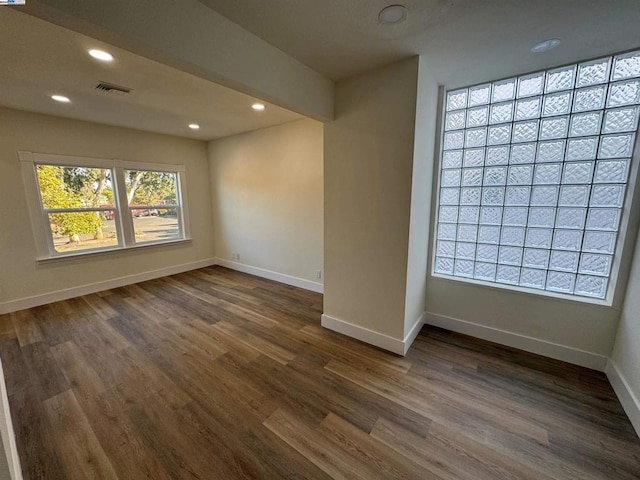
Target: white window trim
[[126, 238]]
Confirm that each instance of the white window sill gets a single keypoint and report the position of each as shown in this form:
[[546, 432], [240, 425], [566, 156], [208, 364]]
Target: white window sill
[[108, 251]]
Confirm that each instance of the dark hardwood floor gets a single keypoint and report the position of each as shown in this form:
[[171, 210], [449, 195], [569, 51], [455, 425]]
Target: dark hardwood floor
[[214, 374]]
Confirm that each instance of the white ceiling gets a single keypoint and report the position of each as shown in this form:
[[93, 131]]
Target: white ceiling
[[39, 59]]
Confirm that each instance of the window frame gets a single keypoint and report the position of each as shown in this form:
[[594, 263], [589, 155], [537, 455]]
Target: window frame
[[39, 215], [629, 217]]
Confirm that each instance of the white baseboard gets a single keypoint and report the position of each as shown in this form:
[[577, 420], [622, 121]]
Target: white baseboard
[[529, 344], [37, 300], [413, 333], [270, 275], [627, 398], [8, 436]]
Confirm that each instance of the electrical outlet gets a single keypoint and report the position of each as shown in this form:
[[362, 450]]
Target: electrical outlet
[[235, 256], [318, 273]]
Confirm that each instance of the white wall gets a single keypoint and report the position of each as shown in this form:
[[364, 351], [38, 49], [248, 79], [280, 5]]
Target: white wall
[[267, 192], [368, 170], [21, 276]]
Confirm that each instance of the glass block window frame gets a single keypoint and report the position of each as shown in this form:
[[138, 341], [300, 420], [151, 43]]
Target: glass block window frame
[[533, 177]]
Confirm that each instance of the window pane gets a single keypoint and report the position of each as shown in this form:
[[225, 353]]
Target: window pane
[[156, 225], [77, 231], [74, 187]]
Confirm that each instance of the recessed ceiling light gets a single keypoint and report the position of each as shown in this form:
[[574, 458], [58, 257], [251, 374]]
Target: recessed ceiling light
[[194, 126], [60, 98], [545, 45], [101, 55], [393, 14], [258, 106]]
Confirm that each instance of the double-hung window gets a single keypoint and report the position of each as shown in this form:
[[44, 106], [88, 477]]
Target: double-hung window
[[85, 205], [534, 174]]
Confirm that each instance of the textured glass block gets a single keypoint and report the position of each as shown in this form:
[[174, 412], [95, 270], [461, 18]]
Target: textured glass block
[[469, 214], [582, 149], [485, 271], [560, 79], [452, 159], [470, 196], [560, 281], [533, 278], [527, 108], [487, 253], [448, 214], [567, 240], [607, 196], [585, 124], [475, 137], [548, 174], [512, 236], [531, 85], [544, 196], [508, 274], [591, 98], [492, 196], [444, 265], [620, 120], [503, 90], [488, 234], [447, 231], [498, 155], [449, 196], [453, 140], [535, 258], [515, 216], [467, 233], [451, 178], [495, 176], [510, 255], [611, 171], [557, 104], [626, 65], [501, 113], [474, 157], [551, 151], [491, 215], [554, 127], [477, 117], [523, 153], [577, 172], [616, 146], [479, 95], [541, 217], [603, 219], [624, 93], [571, 218], [471, 177], [517, 196], [446, 249], [538, 237], [525, 131], [520, 175], [463, 268], [595, 264], [454, 120], [599, 242], [466, 250], [564, 261], [589, 286], [457, 100], [593, 72], [500, 134], [574, 196]]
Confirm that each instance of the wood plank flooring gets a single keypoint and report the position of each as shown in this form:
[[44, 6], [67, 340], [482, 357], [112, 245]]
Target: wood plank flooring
[[214, 374]]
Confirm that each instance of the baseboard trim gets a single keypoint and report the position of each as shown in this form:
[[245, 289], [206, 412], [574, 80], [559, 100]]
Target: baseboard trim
[[7, 433], [529, 344], [413, 333], [365, 335], [629, 401], [37, 300], [271, 275]]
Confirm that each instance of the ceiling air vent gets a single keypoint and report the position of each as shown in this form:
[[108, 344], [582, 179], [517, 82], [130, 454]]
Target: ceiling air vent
[[112, 88]]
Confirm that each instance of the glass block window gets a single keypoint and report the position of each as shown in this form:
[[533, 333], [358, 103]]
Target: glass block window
[[533, 176]]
